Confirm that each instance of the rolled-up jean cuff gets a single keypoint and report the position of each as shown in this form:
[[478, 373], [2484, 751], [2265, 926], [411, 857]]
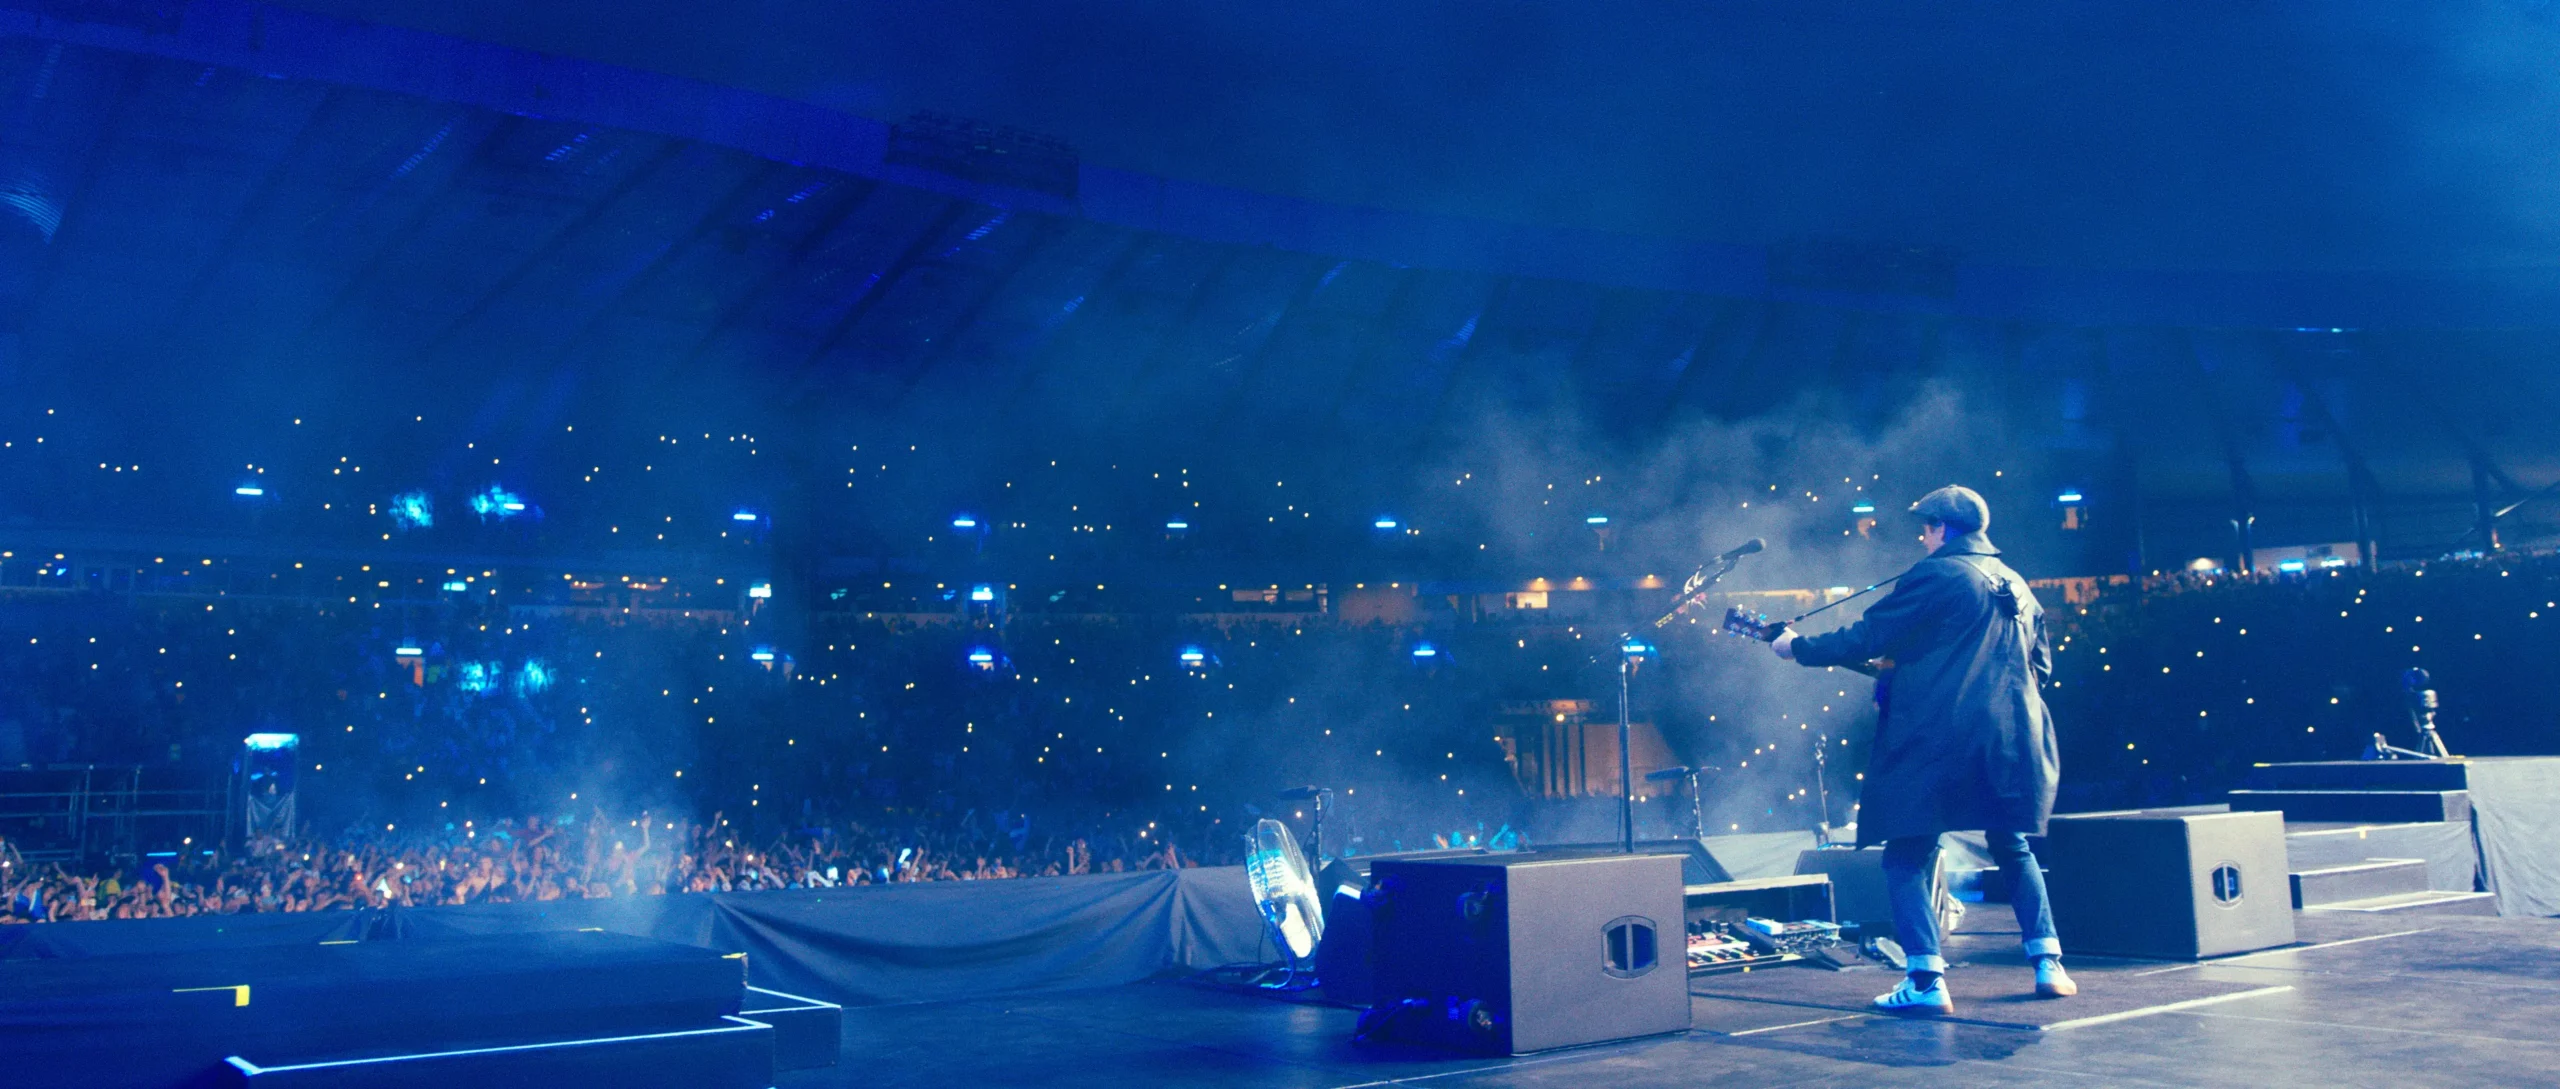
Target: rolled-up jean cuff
[[2043, 947], [1926, 962]]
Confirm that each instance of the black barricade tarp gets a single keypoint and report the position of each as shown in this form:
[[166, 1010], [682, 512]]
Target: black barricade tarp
[[2515, 807], [858, 946]]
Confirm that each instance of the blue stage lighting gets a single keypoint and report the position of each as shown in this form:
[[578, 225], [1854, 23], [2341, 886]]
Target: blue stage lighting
[[1596, 520], [2071, 496], [982, 658], [2290, 567], [477, 676], [1862, 507], [1636, 648], [1194, 657], [271, 742], [1177, 525], [982, 592], [761, 654], [743, 516], [964, 522], [251, 490], [407, 651], [1385, 523], [413, 510], [1425, 651], [760, 590], [456, 586]]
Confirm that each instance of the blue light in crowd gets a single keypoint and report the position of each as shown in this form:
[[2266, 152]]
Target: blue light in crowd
[[2072, 496], [534, 677], [1862, 507], [1192, 656], [406, 651], [457, 586], [982, 593], [271, 742], [1425, 650], [760, 590], [251, 490], [2290, 566], [982, 658], [743, 516], [1596, 520], [1635, 648], [964, 522], [761, 654], [1385, 523], [413, 510], [497, 502], [477, 676], [1177, 525]]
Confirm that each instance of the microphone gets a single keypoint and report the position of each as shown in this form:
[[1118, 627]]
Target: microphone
[[1744, 549], [1297, 794]]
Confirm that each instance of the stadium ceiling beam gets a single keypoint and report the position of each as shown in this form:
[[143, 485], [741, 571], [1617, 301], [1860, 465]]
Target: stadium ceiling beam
[[2364, 489], [804, 377], [75, 203], [1428, 435], [260, 198], [2244, 488], [937, 350], [666, 256], [400, 237], [1143, 376], [542, 253], [747, 301]]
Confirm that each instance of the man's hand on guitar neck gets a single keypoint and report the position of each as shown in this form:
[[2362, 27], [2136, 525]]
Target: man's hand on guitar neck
[[1785, 644]]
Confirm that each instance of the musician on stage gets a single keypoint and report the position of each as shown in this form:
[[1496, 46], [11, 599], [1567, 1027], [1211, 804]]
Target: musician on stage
[[1964, 741]]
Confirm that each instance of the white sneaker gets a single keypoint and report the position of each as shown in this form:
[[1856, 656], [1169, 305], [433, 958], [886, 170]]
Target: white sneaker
[[2052, 981], [1934, 1002]]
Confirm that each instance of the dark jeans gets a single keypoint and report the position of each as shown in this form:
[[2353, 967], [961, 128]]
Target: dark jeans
[[1910, 864]]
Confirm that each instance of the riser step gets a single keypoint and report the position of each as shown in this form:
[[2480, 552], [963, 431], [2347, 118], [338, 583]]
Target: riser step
[[2363, 806], [2431, 902], [2358, 881], [2360, 775]]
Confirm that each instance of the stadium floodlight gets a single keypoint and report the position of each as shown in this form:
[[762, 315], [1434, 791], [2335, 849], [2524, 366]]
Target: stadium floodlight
[[271, 742], [456, 586]]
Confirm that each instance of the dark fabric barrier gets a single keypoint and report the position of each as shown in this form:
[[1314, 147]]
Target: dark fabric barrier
[[2515, 808], [870, 945]]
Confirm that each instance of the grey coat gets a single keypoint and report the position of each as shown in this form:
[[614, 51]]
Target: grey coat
[[1964, 742]]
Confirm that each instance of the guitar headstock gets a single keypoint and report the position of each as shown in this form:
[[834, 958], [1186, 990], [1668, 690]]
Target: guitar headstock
[[1740, 621]]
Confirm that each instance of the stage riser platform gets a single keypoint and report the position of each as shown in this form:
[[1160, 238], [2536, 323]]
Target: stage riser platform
[[2428, 902], [2376, 806], [2360, 775], [806, 1031], [739, 1054], [2358, 881]]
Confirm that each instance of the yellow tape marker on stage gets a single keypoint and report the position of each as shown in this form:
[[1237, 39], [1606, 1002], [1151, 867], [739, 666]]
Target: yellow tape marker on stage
[[239, 992]]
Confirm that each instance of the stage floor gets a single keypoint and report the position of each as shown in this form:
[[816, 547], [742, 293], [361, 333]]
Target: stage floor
[[2414, 1001]]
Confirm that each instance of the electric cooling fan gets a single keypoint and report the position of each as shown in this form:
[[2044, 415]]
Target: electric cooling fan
[[1285, 889]]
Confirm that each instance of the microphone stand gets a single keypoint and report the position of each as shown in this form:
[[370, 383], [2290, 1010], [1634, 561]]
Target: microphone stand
[[1695, 588]]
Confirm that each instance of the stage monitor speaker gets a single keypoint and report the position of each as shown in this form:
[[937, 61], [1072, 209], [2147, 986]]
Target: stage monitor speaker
[[1521, 953], [2169, 885]]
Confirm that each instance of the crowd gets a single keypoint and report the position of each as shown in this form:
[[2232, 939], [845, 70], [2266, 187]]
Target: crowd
[[882, 748]]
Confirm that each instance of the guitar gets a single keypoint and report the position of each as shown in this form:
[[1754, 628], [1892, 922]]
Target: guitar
[[1744, 622]]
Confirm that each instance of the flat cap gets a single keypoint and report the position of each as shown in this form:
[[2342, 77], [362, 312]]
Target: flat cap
[[1958, 507]]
